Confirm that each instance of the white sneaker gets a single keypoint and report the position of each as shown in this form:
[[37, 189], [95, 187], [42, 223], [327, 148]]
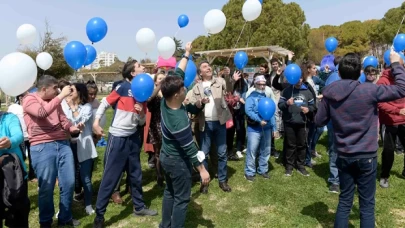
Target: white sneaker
[[57, 213], [239, 154], [89, 210], [244, 151]]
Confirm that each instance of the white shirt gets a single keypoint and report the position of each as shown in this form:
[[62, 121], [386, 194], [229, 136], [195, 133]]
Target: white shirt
[[210, 110], [17, 110]]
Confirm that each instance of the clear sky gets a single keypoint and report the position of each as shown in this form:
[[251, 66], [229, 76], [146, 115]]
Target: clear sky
[[125, 18]]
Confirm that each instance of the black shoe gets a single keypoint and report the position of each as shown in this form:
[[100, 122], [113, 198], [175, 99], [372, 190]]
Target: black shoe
[[98, 223], [225, 187], [233, 157], [303, 172], [249, 178], [265, 175], [309, 165], [204, 189], [288, 172], [275, 154], [72, 222], [334, 188], [403, 173], [145, 212], [151, 160], [399, 152], [78, 197]]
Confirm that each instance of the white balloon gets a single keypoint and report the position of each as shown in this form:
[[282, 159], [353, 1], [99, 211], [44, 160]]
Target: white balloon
[[215, 21], [18, 73], [251, 10], [166, 47], [26, 34], [146, 39], [44, 60]]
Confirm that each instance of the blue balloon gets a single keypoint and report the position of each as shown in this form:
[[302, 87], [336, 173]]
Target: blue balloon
[[399, 42], [292, 73], [370, 61], [96, 29], [331, 44], [362, 78], [182, 21], [142, 87], [190, 72], [266, 108], [91, 55], [387, 57], [240, 59], [75, 54], [261, 1]]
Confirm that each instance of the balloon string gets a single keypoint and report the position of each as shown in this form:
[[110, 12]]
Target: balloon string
[[230, 55], [392, 46], [250, 35], [176, 33]]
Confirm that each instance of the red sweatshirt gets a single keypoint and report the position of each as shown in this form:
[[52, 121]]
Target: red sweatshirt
[[388, 112], [45, 120]]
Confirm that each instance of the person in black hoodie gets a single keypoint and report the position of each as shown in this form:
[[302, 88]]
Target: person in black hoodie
[[298, 104]]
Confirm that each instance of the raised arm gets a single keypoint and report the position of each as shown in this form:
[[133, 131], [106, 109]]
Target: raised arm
[[393, 92]]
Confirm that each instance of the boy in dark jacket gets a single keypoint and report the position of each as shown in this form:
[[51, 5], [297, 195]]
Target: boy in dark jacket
[[297, 102], [352, 107]]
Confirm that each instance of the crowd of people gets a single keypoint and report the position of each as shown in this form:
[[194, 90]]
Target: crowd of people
[[57, 128]]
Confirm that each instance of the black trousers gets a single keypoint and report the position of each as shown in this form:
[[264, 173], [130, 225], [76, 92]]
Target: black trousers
[[389, 145], [26, 146], [295, 145], [15, 217]]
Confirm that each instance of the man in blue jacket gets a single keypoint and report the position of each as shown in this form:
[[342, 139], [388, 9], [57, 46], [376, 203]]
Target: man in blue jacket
[[259, 133], [352, 107]]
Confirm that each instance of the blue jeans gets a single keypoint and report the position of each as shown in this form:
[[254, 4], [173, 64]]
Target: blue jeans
[[258, 143], [217, 132], [363, 173], [176, 196], [333, 170], [86, 169], [51, 160], [314, 133]]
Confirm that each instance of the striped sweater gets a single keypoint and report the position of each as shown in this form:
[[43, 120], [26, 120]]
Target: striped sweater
[[176, 130]]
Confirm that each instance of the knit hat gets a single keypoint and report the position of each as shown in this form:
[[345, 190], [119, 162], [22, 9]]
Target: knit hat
[[260, 78]]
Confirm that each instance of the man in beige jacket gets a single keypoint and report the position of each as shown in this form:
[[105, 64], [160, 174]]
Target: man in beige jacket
[[212, 120]]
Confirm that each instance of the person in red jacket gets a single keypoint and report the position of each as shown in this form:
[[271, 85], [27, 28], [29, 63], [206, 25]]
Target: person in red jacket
[[392, 115]]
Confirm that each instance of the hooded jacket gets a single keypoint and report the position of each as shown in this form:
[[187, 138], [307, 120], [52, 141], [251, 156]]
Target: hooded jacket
[[292, 114], [352, 107], [388, 112], [251, 109]]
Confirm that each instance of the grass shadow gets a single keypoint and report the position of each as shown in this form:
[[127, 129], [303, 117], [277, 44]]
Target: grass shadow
[[320, 211], [322, 171], [194, 215]]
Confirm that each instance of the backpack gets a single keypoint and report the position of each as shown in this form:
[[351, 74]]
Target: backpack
[[13, 187]]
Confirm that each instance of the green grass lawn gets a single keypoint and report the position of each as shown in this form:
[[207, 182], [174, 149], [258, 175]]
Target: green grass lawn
[[281, 201]]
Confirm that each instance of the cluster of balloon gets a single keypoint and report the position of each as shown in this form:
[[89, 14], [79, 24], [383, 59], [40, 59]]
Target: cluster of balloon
[[76, 53], [331, 44], [251, 10], [18, 71], [370, 61], [266, 108], [292, 73], [240, 59]]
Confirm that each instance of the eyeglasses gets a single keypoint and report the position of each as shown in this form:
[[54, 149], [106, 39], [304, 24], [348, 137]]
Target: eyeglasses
[[261, 84]]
